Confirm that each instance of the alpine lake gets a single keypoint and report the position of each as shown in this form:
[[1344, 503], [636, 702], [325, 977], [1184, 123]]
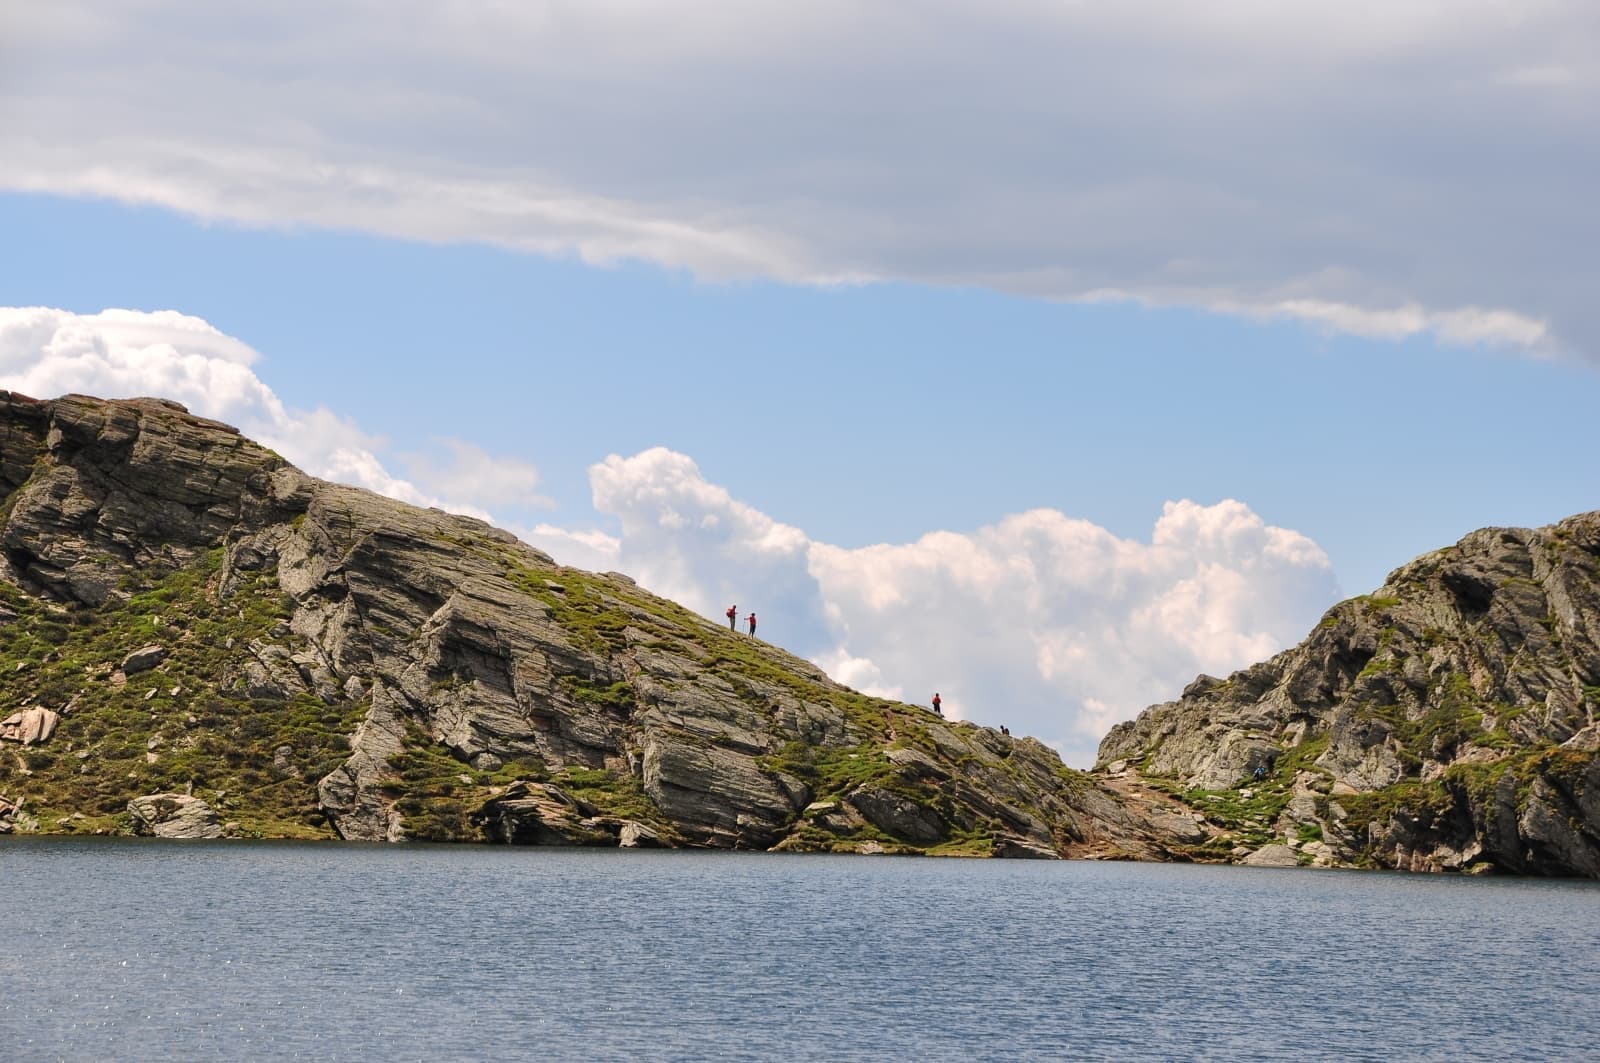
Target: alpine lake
[[144, 949]]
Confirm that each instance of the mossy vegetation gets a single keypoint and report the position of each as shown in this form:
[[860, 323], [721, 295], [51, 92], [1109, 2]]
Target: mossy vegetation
[[614, 697], [1454, 716], [620, 795], [597, 611], [1375, 603], [1467, 791], [1249, 812], [1420, 800], [186, 725]]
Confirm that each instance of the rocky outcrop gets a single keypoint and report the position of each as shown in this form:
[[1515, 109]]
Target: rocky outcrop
[[29, 726], [897, 815], [1446, 722], [314, 658], [143, 659], [1272, 856], [9, 812], [174, 816], [539, 814]]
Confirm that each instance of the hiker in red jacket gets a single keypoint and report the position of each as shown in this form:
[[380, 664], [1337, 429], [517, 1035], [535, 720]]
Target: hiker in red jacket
[[752, 623], [733, 615], [937, 703]]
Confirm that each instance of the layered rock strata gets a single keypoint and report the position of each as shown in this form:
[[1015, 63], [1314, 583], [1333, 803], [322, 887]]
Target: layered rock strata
[[311, 659]]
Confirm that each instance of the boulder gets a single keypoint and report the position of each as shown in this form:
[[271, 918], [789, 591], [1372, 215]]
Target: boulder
[[535, 813], [30, 726], [143, 659], [917, 764], [283, 762], [716, 796], [1017, 847], [638, 836], [1180, 825], [1274, 855], [174, 816]]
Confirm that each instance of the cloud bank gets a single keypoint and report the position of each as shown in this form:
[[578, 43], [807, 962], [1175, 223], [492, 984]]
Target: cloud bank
[[1051, 625], [1387, 168]]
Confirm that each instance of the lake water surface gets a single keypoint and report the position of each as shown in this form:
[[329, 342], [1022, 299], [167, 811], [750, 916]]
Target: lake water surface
[[119, 949]]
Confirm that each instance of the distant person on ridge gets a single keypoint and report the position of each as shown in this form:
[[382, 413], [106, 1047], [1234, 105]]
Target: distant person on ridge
[[733, 616], [936, 703], [752, 623]]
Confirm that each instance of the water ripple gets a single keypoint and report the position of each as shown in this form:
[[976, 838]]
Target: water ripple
[[153, 950]]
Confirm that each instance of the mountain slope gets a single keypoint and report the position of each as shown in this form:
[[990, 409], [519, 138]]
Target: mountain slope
[[187, 615], [1448, 721]]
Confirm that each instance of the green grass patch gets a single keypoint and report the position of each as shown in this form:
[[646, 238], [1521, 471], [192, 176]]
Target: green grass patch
[[204, 734]]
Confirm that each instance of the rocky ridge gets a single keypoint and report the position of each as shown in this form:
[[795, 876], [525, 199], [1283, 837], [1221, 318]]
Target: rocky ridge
[[1446, 722], [227, 646]]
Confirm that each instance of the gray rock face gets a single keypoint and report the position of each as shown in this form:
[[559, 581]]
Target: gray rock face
[[896, 815], [174, 816], [1467, 688], [1182, 827], [129, 482], [501, 697]]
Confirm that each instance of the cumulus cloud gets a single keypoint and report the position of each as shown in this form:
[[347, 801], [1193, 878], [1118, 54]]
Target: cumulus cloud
[[126, 353], [1385, 167], [592, 549], [469, 474], [690, 540], [1051, 625]]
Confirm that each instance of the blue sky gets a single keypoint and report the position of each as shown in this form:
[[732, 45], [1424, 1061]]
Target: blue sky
[[1045, 357], [864, 413]]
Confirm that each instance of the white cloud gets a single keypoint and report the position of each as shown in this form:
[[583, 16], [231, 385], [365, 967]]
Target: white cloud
[[1390, 168], [470, 474], [1051, 625], [860, 674], [127, 353], [690, 540], [1540, 77], [590, 549], [1466, 325]]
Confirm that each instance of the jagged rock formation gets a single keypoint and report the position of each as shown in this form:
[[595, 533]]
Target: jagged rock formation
[[313, 659], [1448, 721]]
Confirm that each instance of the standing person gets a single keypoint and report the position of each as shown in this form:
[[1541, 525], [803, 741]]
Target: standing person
[[936, 703], [752, 623], [733, 616]]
